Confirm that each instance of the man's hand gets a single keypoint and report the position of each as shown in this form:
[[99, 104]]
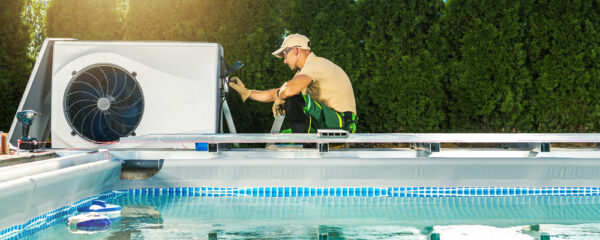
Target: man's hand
[[239, 87], [278, 107]]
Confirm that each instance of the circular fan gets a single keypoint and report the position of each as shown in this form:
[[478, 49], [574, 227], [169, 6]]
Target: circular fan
[[103, 102]]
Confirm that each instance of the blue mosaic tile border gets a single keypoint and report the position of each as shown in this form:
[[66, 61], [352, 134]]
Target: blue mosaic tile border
[[368, 191], [60, 215]]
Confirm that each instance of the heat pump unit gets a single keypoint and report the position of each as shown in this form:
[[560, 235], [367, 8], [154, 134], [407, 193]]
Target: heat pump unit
[[102, 91]]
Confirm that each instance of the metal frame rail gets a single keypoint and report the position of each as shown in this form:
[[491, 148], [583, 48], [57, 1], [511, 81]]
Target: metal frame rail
[[430, 141], [373, 138]]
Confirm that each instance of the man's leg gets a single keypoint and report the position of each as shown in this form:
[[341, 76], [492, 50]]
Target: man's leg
[[295, 114]]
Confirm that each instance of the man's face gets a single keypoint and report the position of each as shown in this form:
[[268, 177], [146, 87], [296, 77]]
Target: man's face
[[290, 58]]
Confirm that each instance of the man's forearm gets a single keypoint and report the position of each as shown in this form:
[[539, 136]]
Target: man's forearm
[[294, 86], [264, 96]]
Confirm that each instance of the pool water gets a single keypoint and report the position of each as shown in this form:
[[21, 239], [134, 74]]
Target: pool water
[[331, 217]]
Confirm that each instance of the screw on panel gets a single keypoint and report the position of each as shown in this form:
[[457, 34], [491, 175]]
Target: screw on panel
[[545, 236], [212, 236], [434, 236]]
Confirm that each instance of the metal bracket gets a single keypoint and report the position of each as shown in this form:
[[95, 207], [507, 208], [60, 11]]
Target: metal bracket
[[428, 147], [425, 149], [544, 147], [213, 147], [323, 147], [435, 147], [332, 133]]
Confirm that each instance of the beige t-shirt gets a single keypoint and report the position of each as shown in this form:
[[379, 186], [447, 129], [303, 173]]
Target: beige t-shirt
[[330, 84]]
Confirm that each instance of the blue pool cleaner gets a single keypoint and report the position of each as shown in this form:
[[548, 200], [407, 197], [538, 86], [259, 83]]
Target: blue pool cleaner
[[98, 206], [88, 223]]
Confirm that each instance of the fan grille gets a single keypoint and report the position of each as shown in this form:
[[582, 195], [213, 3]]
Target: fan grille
[[103, 102]]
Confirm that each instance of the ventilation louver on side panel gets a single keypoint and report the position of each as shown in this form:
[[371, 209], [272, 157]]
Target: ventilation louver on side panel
[[103, 102]]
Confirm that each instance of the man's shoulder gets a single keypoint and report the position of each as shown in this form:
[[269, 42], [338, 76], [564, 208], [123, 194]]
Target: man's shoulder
[[319, 62]]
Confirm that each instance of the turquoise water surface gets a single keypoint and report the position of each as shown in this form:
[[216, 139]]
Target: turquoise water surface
[[243, 217]]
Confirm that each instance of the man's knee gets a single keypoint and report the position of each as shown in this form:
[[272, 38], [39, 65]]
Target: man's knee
[[294, 105], [296, 101], [294, 110]]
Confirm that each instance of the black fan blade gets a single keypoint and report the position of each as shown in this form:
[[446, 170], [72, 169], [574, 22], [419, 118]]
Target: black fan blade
[[104, 103]]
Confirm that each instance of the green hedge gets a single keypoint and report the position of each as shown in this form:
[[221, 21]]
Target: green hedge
[[15, 66], [416, 66], [401, 84], [487, 75], [84, 20], [563, 55]]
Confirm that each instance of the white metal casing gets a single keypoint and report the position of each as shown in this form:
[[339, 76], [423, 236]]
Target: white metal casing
[[179, 82]]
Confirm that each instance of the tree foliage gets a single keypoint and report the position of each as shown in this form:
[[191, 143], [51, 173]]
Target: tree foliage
[[15, 66], [35, 18], [402, 85], [563, 54], [84, 20], [487, 73]]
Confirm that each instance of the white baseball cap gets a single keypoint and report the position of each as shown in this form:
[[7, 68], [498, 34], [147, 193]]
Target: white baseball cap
[[294, 40]]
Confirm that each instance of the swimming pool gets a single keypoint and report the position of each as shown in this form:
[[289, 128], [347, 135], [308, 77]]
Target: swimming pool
[[190, 213], [349, 193]]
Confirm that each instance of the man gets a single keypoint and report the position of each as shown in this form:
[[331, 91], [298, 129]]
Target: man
[[319, 96]]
